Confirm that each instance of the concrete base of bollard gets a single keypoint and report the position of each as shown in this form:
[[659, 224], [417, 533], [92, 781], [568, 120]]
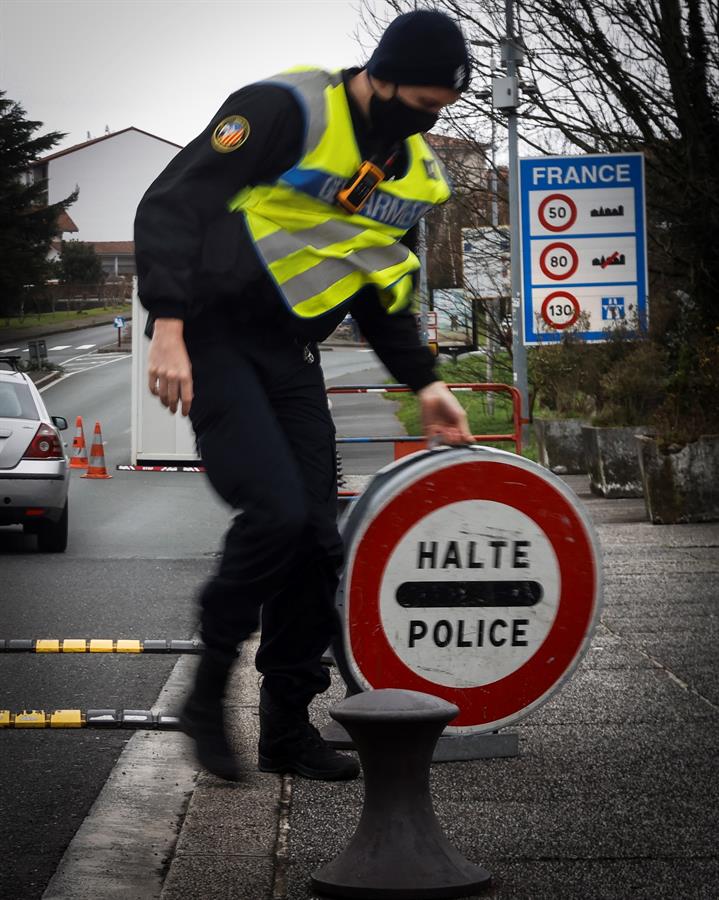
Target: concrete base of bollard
[[450, 747], [399, 849]]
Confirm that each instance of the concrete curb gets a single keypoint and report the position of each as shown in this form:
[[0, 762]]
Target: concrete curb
[[124, 844], [343, 345], [39, 331], [46, 379], [231, 833]]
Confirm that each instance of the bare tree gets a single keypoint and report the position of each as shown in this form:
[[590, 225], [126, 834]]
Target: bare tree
[[619, 75]]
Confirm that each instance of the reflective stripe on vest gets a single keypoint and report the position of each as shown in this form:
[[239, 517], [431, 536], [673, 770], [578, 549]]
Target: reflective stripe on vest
[[318, 254]]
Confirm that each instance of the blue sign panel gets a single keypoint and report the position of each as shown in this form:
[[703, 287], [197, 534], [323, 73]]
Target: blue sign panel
[[584, 261]]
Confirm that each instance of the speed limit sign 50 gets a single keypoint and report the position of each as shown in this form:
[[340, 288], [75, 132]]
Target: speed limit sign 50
[[557, 212]]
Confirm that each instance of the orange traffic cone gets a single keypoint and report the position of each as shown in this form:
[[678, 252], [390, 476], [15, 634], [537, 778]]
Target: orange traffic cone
[[97, 469], [79, 450]]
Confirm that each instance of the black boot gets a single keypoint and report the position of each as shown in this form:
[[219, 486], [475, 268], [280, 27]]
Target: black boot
[[290, 743], [202, 717]]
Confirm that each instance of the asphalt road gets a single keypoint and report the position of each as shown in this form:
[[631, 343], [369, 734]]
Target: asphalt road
[[68, 344], [140, 545]]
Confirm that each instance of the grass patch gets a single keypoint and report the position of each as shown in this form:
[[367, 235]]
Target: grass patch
[[57, 318], [477, 405]]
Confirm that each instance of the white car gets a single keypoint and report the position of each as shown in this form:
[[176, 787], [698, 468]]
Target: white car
[[34, 468]]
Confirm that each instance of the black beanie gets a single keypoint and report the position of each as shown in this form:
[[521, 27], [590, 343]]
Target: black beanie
[[422, 47]]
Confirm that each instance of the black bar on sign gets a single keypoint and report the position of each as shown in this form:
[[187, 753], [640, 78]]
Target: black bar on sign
[[444, 594]]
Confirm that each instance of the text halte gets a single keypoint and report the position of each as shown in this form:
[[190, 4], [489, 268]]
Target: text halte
[[495, 554]]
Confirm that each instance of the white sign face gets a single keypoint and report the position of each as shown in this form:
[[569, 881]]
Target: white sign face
[[605, 261], [471, 575], [156, 436], [583, 236], [560, 307], [453, 314], [470, 593], [556, 212], [485, 262]]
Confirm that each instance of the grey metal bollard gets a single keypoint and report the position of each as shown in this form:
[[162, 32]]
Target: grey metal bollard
[[399, 849]]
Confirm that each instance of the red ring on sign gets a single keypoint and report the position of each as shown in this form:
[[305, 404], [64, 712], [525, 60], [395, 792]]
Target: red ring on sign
[[553, 513], [572, 212], [559, 245], [553, 296]]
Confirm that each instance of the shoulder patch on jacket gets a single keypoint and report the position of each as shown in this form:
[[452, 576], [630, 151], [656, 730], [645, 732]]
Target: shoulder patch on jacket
[[230, 134]]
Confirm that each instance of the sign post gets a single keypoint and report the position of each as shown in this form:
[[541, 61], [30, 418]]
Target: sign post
[[471, 575], [583, 244], [119, 324]]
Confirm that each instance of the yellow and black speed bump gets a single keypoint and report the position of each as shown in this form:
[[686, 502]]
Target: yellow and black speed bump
[[92, 645], [77, 718]]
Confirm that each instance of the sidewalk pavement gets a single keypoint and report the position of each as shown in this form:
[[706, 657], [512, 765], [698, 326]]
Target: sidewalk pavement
[[614, 793]]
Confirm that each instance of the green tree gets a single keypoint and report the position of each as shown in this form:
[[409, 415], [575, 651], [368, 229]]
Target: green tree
[[79, 263], [27, 222]]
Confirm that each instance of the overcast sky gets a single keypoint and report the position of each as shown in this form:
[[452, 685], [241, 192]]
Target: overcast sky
[[161, 65]]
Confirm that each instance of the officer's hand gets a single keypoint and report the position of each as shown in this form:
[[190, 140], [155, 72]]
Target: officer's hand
[[443, 417], [169, 369]]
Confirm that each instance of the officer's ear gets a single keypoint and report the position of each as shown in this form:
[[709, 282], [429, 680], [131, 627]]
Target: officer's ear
[[385, 90]]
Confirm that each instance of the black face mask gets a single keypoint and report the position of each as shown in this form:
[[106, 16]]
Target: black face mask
[[395, 121]]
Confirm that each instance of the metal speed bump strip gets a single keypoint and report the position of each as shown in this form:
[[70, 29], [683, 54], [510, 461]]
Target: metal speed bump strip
[[94, 645], [77, 718]]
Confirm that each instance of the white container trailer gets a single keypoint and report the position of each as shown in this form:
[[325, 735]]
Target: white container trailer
[[158, 436]]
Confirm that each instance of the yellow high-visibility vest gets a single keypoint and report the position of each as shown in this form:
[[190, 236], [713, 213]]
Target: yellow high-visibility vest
[[318, 254]]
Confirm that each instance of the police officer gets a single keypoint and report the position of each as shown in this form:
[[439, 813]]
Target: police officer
[[295, 206]]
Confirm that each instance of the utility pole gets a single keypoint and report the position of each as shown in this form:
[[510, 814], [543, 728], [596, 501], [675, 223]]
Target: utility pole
[[505, 95], [423, 284], [495, 224]]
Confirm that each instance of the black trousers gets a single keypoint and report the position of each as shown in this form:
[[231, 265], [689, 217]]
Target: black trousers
[[266, 438]]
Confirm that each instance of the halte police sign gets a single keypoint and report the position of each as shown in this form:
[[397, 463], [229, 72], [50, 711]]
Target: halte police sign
[[472, 575], [583, 244]]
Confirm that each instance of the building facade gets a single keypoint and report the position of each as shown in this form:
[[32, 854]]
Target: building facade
[[112, 173]]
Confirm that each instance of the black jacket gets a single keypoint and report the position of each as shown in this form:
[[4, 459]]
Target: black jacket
[[192, 253]]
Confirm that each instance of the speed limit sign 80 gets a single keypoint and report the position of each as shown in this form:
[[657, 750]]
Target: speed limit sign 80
[[558, 261]]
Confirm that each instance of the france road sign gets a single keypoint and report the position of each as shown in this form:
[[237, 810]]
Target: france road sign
[[583, 228], [472, 574]]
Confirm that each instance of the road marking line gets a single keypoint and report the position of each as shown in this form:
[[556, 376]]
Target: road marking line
[[79, 371], [59, 347], [85, 346], [9, 349]]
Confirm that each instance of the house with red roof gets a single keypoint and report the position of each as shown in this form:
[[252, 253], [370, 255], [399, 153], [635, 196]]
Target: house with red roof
[[112, 173]]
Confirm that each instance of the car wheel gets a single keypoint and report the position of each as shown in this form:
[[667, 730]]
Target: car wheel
[[52, 536]]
